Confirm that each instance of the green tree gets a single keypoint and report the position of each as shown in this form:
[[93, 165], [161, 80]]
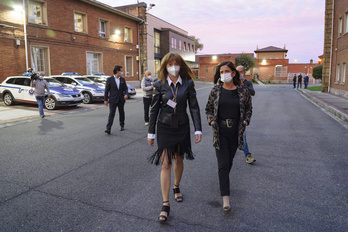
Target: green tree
[[246, 60], [318, 72], [198, 45]]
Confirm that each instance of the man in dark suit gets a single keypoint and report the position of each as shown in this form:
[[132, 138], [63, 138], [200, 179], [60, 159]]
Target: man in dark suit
[[116, 94]]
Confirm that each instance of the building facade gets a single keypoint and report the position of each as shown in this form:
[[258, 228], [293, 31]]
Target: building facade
[[336, 47], [158, 38], [82, 36]]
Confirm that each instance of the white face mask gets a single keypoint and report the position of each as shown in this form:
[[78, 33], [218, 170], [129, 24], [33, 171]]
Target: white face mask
[[41, 77], [173, 70], [226, 78], [241, 77], [121, 74], [149, 76]]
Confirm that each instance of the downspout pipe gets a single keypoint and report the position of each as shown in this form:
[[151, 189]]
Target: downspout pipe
[[332, 29], [25, 36]]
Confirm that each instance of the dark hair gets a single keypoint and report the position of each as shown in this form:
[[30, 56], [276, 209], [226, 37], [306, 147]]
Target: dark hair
[[185, 71], [117, 68], [236, 80]]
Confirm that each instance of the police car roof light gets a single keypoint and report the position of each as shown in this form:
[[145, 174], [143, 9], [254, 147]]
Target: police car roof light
[[27, 74], [98, 73], [70, 73]]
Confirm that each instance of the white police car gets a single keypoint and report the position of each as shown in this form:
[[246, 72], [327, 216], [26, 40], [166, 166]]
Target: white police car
[[90, 90], [17, 89], [100, 78]]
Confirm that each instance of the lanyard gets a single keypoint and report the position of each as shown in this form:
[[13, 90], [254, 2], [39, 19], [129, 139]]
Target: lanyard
[[176, 92]]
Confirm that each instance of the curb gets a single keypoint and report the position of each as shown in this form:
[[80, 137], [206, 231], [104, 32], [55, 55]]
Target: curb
[[326, 105]]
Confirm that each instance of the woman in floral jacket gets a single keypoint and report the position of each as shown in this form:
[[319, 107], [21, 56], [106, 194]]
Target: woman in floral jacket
[[228, 111]]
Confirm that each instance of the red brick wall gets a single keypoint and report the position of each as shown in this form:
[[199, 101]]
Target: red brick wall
[[65, 52]]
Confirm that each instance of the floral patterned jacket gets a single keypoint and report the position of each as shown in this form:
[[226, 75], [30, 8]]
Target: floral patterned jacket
[[212, 109]]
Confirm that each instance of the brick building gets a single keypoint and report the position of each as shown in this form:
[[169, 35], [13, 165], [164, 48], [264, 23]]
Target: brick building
[[207, 64], [82, 36], [335, 47]]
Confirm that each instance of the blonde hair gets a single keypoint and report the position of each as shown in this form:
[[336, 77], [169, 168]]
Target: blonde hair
[[185, 71]]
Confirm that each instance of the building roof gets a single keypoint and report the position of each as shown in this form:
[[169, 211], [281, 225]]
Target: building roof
[[271, 49], [112, 9]]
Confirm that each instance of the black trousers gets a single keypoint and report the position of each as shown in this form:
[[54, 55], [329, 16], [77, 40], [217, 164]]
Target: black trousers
[[294, 82], [112, 111], [147, 104], [228, 148]]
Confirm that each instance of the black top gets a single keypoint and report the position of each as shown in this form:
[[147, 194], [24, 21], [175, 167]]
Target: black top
[[229, 107]]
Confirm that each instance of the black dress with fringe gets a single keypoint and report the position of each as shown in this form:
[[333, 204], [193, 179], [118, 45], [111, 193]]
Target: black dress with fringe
[[173, 140], [176, 141]]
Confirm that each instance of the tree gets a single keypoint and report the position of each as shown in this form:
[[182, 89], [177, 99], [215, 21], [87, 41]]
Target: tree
[[318, 72], [198, 45], [246, 60]]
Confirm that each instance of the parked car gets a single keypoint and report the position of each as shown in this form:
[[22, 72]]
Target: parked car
[[17, 89], [100, 78], [90, 90]]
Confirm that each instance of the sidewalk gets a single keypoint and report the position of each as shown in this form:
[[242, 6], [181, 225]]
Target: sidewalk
[[335, 105]]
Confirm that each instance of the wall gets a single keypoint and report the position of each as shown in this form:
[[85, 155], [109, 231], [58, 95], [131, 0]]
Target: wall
[[67, 48]]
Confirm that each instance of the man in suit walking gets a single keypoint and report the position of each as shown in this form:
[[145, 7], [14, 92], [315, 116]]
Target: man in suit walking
[[116, 94]]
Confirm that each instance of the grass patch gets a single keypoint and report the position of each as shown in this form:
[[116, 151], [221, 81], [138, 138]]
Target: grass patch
[[314, 88]]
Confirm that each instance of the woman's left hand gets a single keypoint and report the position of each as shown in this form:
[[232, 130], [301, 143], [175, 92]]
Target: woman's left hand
[[245, 123], [198, 138]]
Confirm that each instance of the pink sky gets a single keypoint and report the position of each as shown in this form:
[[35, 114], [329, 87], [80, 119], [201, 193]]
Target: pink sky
[[240, 25]]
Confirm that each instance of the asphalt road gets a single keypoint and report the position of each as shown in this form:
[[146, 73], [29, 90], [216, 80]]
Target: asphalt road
[[63, 173]]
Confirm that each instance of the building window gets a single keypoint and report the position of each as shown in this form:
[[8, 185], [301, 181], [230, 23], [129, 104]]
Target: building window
[[80, 22], [337, 73], [157, 65], [346, 22], [174, 43], [37, 12], [188, 47], [340, 26], [179, 44], [39, 60], [129, 66], [94, 62], [343, 73], [184, 46], [128, 36], [280, 71], [157, 42], [103, 28], [193, 48]]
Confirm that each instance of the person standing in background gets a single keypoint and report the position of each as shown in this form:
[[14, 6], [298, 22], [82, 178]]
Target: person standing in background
[[249, 86], [299, 81], [147, 87], [305, 81], [294, 80], [40, 85]]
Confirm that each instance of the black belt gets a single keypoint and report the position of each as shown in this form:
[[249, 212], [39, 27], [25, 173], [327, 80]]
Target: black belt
[[228, 122]]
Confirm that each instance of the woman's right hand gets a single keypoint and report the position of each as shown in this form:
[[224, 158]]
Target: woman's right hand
[[150, 141], [212, 122]]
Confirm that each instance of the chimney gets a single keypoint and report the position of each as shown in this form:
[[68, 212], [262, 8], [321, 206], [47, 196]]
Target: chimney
[[311, 61]]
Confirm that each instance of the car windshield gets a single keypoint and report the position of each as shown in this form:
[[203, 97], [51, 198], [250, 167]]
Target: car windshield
[[84, 81], [53, 83]]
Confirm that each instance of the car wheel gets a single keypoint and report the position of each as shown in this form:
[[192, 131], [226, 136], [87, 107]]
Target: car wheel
[[8, 99], [88, 98], [50, 103]]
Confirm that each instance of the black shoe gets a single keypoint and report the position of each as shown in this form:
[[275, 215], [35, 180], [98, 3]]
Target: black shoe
[[177, 190], [165, 208], [122, 129], [42, 116], [107, 131]]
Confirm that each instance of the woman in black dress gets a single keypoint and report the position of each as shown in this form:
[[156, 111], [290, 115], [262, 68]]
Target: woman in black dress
[[228, 111], [173, 90]]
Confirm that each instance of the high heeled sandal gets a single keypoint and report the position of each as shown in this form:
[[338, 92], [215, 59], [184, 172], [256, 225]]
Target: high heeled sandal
[[165, 208], [177, 190]]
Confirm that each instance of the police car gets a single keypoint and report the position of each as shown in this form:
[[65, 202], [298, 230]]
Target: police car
[[17, 89], [89, 89], [100, 78]]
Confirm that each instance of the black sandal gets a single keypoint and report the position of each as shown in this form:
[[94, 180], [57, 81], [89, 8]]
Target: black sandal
[[165, 208], [177, 190]]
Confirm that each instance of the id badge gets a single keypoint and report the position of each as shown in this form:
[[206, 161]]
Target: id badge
[[175, 120], [171, 103]]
